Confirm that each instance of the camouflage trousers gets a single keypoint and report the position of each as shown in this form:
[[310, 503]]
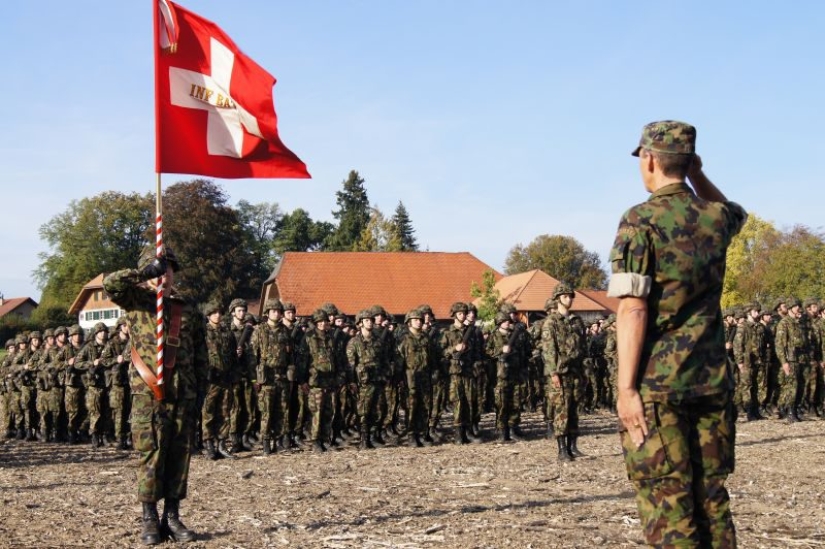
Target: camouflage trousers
[[48, 419], [162, 434], [562, 405], [237, 412], [75, 409], [14, 411], [680, 470], [503, 394], [273, 403], [791, 387], [320, 405], [368, 394], [438, 400], [97, 403], [28, 399], [4, 414], [462, 393], [119, 407], [479, 394], [250, 418], [613, 386], [390, 404], [814, 386], [217, 408], [419, 400]]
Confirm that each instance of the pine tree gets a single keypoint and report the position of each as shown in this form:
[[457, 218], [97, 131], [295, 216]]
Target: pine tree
[[353, 214], [402, 233]]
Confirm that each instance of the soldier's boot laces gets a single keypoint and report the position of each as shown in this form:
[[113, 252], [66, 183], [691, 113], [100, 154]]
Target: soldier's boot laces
[[563, 453], [267, 447], [223, 451], [172, 524], [574, 451], [150, 533]]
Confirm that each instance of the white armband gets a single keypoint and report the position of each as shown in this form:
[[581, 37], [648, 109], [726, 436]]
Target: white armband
[[628, 285]]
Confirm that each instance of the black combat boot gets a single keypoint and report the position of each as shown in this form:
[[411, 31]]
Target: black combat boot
[[211, 450], [504, 434], [376, 437], [223, 451], [246, 444], [267, 447], [550, 431], [516, 433], [461, 435], [123, 444], [416, 441], [571, 446], [365, 443], [171, 524], [236, 444], [30, 435], [150, 533], [318, 447], [564, 455]]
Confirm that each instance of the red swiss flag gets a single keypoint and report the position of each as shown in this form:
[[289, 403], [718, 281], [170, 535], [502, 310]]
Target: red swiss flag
[[214, 112]]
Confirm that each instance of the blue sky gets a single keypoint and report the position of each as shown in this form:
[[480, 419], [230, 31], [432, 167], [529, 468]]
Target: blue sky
[[493, 122]]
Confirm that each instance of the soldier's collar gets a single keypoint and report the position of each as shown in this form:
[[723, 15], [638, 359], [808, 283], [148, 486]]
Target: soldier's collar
[[673, 188]]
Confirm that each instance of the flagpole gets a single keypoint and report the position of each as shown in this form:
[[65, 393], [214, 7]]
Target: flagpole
[[158, 203]]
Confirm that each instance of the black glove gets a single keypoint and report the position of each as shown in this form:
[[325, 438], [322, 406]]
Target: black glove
[[155, 269]]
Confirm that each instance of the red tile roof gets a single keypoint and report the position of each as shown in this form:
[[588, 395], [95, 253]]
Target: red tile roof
[[12, 303], [600, 296], [94, 284], [398, 281], [529, 291]]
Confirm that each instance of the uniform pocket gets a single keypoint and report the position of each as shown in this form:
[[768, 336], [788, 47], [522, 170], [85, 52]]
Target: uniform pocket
[[653, 459], [143, 435]]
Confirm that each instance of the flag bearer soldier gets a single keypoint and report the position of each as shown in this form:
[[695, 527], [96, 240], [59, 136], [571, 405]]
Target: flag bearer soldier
[[163, 417]]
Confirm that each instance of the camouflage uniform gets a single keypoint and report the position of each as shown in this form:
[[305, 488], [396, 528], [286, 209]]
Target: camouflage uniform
[[749, 350], [319, 351], [217, 404], [792, 349], [670, 251], [46, 388], [75, 391], [506, 374], [162, 431], [6, 389], [298, 407], [417, 355], [245, 408], [116, 371], [611, 357], [270, 351], [365, 358], [459, 366], [97, 399], [24, 367]]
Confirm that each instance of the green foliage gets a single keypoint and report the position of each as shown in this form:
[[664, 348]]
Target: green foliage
[[261, 223], [299, 233], [402, 234], [353, 215], [52, 317], [94, 235], [764, 262], [490, 297], [376, 235], [562, 257]]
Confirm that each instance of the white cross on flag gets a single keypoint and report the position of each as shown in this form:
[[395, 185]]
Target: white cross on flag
[[215, 114]]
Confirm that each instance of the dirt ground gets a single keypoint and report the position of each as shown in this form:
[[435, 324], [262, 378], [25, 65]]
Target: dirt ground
[[448, 496]]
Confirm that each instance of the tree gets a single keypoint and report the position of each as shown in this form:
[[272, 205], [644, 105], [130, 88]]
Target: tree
[[376, 235], [217, 259], [94, 235], [402, 237], [797, 264], [748, 260], [562, 257], [299, 233], [261, 223], [353, 214], [490, 297]]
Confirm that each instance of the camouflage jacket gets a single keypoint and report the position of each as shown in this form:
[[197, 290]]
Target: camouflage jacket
[[245, 364], [296, 361], [6, 383], [455, 362], [24, 369], [94, 375], [116, 373], [221, 350], [51, 366], [749, 345], [320, 356], [46, 380], [72, 377], [417, 353], [506, 363], [188, 377], [365, 358], [671, 251], [791, 341], [270, 351], [611, 351], [815, 335], [562, 345]]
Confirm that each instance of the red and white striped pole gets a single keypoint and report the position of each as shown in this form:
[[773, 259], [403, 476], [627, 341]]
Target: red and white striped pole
[[161, 284]]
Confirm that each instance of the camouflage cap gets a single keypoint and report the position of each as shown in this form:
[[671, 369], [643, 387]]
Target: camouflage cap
[[669, 137], [273, 304], [48, 332], [320, 315], [150, 252], [211, 308], [237, 302]]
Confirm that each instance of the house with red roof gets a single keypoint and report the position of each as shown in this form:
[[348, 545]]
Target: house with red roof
[[22, 307], [398, 281], [93, 305]]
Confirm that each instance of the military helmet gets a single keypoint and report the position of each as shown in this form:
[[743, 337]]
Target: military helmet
[[810, 301], [472, 309], [507, 308], [549, 304], [121, 321], [329, 309], [48, 332], [61, 330], [211, 308], [9, 343], [754, 306], [320, 316], [563, 288], [362, 314], [739, 313], [150, 252], [765, 312], [779, 301], [288, 306], [501, 318], [415, 313], [611, 318], [376, 310], [273, 304], [75, 330], [792, 302], [20, 339], [35, 335], [100, 327], [458, 307], [237, 302], [426, 310], [249, 318]]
